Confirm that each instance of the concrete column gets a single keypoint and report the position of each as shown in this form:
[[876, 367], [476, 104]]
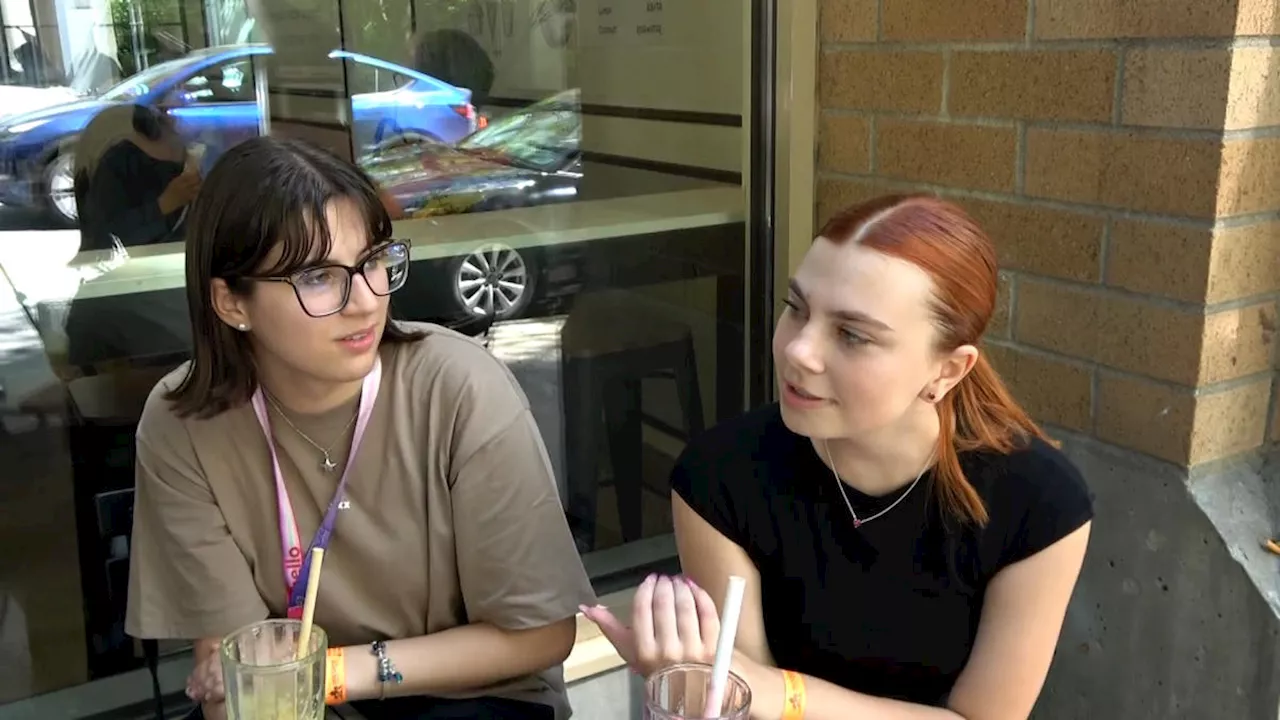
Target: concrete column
[[1124, 155]]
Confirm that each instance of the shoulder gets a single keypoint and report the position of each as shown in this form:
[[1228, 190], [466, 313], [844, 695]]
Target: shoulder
[[445, 367], [159, 424], [1034, 473], [751, 439], [1035, 496], [736, 459]]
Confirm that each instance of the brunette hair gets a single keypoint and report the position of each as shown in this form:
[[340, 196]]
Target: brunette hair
[[263, 193], [941, 239]]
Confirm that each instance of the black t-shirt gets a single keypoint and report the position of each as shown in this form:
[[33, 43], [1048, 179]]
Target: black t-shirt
[[890, 609]]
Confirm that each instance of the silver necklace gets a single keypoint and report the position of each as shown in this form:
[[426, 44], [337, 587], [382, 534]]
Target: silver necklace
[[328, 465], [859, 522]]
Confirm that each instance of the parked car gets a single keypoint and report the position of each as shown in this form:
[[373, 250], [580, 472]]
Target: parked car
[[529, 157], [211, 95]]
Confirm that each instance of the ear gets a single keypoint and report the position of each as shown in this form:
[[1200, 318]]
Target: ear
[[231, 308], [951, 370]]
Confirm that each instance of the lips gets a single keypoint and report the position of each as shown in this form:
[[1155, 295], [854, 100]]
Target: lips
[[357, 336], [801, 393]]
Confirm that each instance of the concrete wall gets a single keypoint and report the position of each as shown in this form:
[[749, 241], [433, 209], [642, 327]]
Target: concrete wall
[[1125, 157]]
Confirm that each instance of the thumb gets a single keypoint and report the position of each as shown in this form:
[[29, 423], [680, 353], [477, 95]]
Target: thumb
[[618, 634]]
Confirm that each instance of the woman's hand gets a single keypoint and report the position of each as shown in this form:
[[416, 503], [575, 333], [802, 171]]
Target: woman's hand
[[204, 685], [180, 191], [672, 621]]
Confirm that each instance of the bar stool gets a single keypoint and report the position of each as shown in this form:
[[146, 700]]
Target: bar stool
[[609, 344]]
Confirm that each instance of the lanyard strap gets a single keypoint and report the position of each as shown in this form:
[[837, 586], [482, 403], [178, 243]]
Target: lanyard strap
[[295, 560]]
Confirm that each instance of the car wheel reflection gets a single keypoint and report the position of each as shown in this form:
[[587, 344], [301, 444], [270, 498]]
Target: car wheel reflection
[[59, 186], [493, 280]]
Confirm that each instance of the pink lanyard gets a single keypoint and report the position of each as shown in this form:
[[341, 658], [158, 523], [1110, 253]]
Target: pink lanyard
[[296, 561]]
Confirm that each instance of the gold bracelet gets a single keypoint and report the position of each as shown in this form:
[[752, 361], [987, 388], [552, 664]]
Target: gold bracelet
[[794, 697], [335, 677]]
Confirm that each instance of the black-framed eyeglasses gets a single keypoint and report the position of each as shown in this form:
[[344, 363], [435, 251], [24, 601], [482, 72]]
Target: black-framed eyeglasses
[[325, 289]]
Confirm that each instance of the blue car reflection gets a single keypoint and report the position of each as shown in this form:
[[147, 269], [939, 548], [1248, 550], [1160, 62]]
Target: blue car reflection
[[211, 95]]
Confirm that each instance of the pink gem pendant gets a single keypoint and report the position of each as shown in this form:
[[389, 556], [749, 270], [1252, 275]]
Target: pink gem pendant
[[857, 523]]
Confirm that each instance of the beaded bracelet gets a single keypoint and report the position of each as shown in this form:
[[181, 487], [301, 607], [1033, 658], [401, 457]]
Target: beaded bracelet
[[387, 671]]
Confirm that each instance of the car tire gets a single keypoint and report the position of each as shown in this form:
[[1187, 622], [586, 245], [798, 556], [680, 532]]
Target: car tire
[[57, 188], [494, 280]]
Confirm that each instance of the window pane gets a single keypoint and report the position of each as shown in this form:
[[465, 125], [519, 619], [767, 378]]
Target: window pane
[[568, 174]]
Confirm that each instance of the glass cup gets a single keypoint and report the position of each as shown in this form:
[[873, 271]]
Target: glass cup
[[264, 680], [680, 692]]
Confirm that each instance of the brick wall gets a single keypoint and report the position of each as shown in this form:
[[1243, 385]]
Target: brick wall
[[1125, 157]]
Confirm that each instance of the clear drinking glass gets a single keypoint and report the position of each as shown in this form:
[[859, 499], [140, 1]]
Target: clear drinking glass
[[680, 693], [264, 680]]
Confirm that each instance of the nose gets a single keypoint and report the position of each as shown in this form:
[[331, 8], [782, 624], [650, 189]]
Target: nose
[[362, 299], [804, 350]]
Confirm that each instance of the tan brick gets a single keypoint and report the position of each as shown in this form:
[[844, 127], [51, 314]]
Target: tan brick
[[1056, 317], [1119, 169], [1257, 17], [1238, 343], [1245, 261], [1035, 85], [1146, 416], [1201, 88], [1148, 339], [1050, 390], [1122, 332], [1040, 240], [1230, 422], [1173, 423], [999, 326], [1252, 100], [1160, 259], [968, 156], [1195, 264], [1167, 87], [1062, 19], [1250, 180], [844, 143], [836, 194], [847, 20], [881, 80], [929, 20]]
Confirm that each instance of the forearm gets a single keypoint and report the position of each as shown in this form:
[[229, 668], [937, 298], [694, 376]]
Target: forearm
[[459, 659], [824, 700]]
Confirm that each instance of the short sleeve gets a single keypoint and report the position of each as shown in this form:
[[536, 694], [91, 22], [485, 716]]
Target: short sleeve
[[1058, 502], [187, 577], [705, 478], [518, 567]]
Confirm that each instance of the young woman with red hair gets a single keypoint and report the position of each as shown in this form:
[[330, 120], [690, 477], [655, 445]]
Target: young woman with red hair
[[909, 536]]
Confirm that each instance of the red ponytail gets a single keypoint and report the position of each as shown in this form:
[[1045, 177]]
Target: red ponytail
[[978, 413]]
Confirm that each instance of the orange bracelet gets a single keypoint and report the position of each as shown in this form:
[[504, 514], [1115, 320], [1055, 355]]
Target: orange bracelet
[[793, 694], [335, 677]]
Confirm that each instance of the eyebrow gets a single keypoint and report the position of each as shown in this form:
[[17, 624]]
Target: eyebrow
[[852, 316]]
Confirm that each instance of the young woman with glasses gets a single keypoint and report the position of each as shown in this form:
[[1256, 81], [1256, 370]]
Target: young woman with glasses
[[307, 417]]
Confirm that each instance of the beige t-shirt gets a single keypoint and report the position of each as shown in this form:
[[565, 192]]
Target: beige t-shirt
[[453, 517]]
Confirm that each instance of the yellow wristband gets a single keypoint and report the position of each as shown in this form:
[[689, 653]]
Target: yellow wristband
[[335, 677], [793, 694]]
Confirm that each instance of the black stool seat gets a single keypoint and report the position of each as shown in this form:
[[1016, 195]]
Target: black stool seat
[[609, 344]]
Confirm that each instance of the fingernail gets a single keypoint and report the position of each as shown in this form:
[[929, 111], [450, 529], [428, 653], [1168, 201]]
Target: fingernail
[[583, 609], [651, 578], [690, 582]]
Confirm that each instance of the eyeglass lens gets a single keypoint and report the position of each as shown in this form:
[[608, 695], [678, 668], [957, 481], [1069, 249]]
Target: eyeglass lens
[[324, 290]]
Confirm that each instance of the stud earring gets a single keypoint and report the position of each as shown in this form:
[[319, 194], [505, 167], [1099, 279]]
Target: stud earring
[[932, 397], [242, 327]]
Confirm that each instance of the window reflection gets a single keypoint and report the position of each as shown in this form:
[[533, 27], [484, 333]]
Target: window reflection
[[570, 190]]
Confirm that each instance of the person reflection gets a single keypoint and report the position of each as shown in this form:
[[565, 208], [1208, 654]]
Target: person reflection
[[134, 179], [456, 58]]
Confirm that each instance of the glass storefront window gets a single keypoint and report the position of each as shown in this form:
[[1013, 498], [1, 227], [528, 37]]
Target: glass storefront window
[[568, 175]]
